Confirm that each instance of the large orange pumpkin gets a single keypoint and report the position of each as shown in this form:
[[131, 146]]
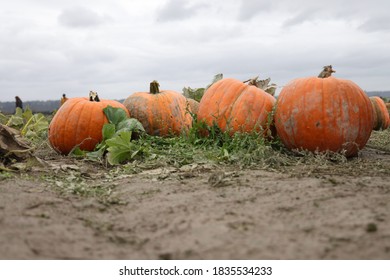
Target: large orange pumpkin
[[79, 122], [320, 114], [381, 114], [162, 113], [235, 106]]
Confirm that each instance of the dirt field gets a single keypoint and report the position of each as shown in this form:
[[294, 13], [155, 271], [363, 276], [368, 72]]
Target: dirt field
[[72, 209]]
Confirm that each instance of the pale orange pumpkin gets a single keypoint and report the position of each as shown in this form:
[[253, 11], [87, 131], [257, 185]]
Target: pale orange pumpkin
[[324, 114], [162, 113], [235, 106], [381, 114]]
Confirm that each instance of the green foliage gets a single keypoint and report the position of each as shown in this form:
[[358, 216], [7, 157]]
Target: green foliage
[[380, 140], [121, 148], [3, 118], [246, 149], [194, 93], [117, 135], [32, 126], [115, 115], [119, 145], [197, 93], [36, 127], [129, 125], [16, 120]]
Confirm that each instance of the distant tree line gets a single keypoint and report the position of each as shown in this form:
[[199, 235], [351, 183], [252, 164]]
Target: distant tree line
[[45, 107], [385, 95]]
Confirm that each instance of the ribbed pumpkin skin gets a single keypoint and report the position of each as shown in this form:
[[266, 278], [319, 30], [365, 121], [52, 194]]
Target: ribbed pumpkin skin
[[235, 106], [161, 114], [79, 122], [320, 114], [381, 114]]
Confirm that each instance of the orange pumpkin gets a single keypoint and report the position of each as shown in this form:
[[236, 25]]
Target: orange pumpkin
[[381, 114], [320, 114], [193, 105], [161, 113], [235, 106], [79, 122]]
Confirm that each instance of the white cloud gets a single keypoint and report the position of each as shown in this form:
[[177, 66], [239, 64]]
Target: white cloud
[[252, 8], [377, 23], [80, 17], [118, 47], [175, 10]]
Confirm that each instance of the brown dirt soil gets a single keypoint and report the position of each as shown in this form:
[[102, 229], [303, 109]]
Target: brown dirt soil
[[197, 212]]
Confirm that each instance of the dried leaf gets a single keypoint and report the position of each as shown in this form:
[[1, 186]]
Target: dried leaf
[[12, 144], [263, 84]]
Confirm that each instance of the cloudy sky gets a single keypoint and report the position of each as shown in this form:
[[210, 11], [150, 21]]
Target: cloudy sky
[[117, 47]]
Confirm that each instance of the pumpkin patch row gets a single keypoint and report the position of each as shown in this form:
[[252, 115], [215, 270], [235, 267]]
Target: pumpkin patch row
[[315, 113]]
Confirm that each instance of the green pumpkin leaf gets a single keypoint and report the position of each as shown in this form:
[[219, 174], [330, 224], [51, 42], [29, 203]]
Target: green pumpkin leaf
[[16, 120], [197, 93], [78, 152], [35, 127], [130, 125], [215, 79], [120, 148], [3, 118], [96, 155], [27, 114], [193, 93], [108, 131], [116, 137], [115, 115]]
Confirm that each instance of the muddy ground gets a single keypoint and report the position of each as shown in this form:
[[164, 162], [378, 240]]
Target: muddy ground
[[72, 209]]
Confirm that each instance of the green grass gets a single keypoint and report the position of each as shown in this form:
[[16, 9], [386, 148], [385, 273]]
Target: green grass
[[244, 150], [380, 140], [240, 151]]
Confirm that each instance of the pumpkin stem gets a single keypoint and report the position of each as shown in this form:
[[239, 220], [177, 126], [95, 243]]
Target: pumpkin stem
[[154, 87], [326, 72], [93, 96]]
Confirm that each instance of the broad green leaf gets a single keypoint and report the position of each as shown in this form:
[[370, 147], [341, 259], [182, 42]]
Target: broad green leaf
[[197, 93], [31, 134], [3, 118], [215, 79], [18, 112], [16, 120], [78, 152], [27, 114], [193, 93], [116, 137], [115, 115], [120, 148], [35, 127], [96, 155], [130, 125], [108, 131]]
